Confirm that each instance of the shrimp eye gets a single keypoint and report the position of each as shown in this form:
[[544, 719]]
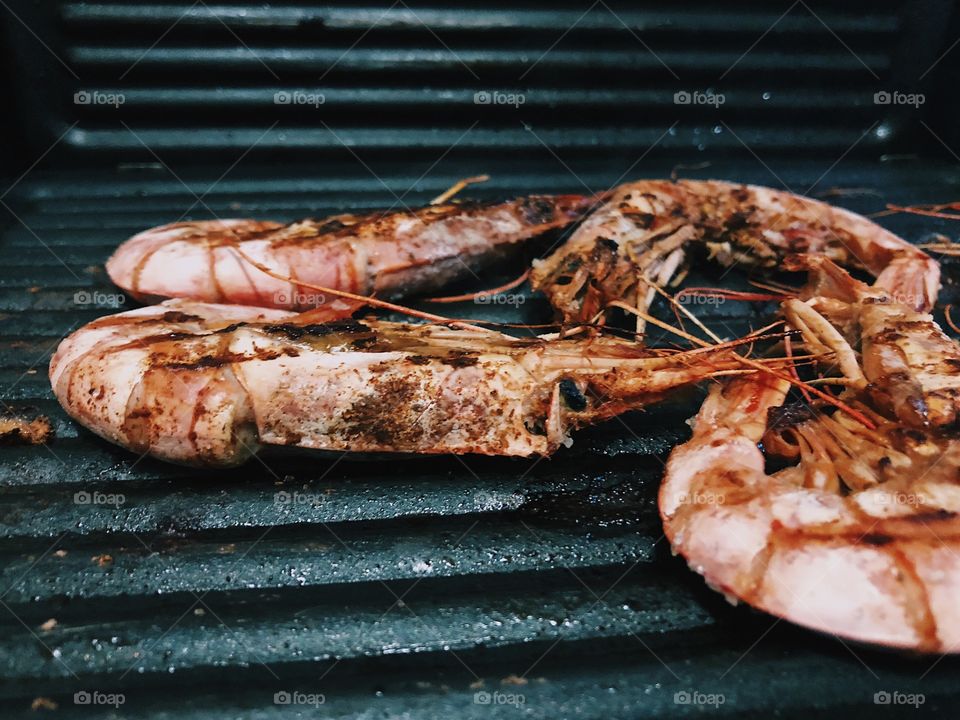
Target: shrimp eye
[[572, 397]]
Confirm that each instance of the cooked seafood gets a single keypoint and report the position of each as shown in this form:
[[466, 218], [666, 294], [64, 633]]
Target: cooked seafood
[[384, 253], [840, 514], [643, 234], [209, 384], [909, 366], [858, 535]]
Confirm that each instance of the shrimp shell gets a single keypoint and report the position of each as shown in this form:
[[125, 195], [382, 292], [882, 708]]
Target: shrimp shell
[[860, 538], [209, 384], [388, 253], [869, 565]]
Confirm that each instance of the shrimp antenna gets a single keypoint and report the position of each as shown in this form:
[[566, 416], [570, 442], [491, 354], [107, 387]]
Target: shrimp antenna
[[474, 295], [928, 210], [777, 287], [362, 299], [457, 187], [679, 307], [659, 323], [946, 316], [839, 404], [788, 347], [945, 247]]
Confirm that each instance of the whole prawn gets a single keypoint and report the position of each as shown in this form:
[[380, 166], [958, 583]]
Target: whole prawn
[[858, 535], [210, 384], [387, 253], [644, 233]]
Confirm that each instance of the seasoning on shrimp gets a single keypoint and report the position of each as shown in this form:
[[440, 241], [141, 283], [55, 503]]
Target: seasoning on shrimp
[[209, 384]]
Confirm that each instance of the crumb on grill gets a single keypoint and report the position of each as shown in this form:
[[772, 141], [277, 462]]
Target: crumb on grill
[[20, 427]]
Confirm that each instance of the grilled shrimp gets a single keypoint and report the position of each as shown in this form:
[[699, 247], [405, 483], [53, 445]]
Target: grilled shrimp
[[906, 364], [209, 384], [642, 235], [858, 534], [387, 253]]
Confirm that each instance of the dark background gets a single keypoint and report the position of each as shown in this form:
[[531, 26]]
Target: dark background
[[597, 79], [403, 587]]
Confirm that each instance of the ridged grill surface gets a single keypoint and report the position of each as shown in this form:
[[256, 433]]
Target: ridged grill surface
[[391, 586], [204, 76], [401, 587]]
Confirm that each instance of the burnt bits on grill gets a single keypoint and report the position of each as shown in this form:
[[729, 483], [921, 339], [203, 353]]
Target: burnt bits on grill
[[25, 426]]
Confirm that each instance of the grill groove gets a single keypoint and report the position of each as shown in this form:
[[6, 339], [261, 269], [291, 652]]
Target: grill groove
[[591, 78]]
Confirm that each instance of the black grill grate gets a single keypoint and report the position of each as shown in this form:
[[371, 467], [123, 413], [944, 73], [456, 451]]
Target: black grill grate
[[555, 571], [198, 76], [403, 587]]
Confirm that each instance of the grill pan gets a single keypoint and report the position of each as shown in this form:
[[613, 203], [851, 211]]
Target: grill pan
[[400, 584], [413, 587]]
